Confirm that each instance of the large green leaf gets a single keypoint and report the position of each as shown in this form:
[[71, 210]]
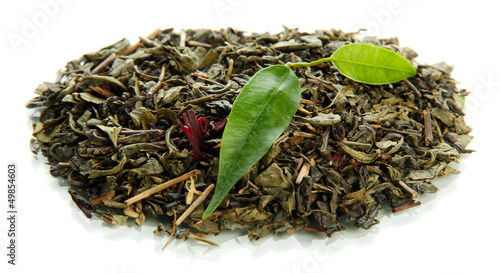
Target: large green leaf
[[260, 114], [371, 64]]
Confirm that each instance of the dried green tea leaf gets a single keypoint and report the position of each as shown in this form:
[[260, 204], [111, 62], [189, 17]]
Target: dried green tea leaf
[[148, 119], [131, 149], [322, 119], [151, 167], [248, 214], [83, 204], [274, 182], [209, 59], [45, 131], [108, 50], [114, 170], [97, 80], [168, 96], [358, 155], [112, 132], [183, 62], [120, 219], [90, 98]]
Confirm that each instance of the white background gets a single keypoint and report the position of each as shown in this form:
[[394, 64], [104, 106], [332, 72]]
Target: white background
[[455, 230]]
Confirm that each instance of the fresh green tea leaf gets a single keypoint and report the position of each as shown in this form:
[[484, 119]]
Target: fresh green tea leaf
[[371, 64], [260, 114]]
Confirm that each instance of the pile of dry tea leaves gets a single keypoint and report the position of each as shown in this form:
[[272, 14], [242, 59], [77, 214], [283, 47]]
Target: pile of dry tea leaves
[[135, 130]]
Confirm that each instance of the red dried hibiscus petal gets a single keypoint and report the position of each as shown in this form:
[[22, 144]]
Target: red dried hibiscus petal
[[219, 126], [337, 157], [195, 130]]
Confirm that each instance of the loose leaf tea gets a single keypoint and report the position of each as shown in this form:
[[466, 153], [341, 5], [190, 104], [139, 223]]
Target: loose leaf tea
[[260, 114], [149, 129], [360, 62]]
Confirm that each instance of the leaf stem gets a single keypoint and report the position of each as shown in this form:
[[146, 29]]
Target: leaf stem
[[195, 204], [304, 64], [161, 187]]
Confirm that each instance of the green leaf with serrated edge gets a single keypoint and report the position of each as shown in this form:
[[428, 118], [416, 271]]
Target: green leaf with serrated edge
[[260, 114], [371, 64]]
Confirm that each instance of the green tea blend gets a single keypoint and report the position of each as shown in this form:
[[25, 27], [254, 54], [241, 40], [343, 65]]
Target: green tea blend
[[209, 131]]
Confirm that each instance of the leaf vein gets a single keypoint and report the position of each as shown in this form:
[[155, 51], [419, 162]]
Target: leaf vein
[[370, 65], [273, 93]]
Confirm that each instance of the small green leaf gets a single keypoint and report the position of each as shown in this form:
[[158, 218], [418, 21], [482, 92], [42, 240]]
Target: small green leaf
[[371, 64], [260, 114]]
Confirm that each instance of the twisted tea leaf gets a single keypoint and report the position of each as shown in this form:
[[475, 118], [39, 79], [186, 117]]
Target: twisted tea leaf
[[371, 64], [260, 114]]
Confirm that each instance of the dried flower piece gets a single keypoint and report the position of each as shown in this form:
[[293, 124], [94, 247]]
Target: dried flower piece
[[195, 130]]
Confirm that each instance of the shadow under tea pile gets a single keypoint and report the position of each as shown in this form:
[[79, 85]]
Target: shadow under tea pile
[[127, 118]]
